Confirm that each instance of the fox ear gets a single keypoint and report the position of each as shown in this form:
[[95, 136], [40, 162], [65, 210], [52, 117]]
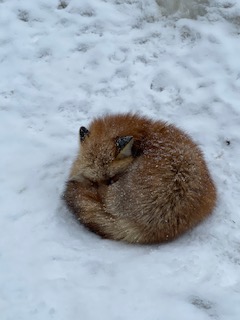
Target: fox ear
[[83, 132], [124, 145]]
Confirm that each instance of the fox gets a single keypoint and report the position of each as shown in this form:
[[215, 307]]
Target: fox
[[138, 180]]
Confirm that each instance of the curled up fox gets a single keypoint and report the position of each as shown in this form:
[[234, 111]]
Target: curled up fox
[[138, 180]]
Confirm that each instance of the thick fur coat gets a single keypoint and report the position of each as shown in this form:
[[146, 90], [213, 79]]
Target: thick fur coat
[[138, 180]]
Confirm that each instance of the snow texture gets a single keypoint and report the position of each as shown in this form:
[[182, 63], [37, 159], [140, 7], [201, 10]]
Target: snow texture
[[61, 64]]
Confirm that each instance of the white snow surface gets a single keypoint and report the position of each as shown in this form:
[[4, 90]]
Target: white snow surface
[[61, 64]]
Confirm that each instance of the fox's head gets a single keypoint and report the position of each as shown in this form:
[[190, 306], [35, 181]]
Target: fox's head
[[102, 159], [107, 148]]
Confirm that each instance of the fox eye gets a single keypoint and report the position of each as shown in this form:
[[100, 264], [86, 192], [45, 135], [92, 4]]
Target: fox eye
[[109, 182], [83, 132]]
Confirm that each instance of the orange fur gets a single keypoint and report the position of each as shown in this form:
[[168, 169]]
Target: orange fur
[[158, 192]]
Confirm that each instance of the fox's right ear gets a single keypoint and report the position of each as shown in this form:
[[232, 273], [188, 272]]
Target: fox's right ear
[[124, 145], [83, 132]]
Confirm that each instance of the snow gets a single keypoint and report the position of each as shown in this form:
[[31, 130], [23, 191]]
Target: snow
[[61, 64]]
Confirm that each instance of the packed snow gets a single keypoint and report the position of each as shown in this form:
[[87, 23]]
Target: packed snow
[[63, 63]]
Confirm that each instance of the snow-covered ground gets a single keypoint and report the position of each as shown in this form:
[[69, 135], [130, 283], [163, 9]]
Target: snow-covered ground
[[61, 64]]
